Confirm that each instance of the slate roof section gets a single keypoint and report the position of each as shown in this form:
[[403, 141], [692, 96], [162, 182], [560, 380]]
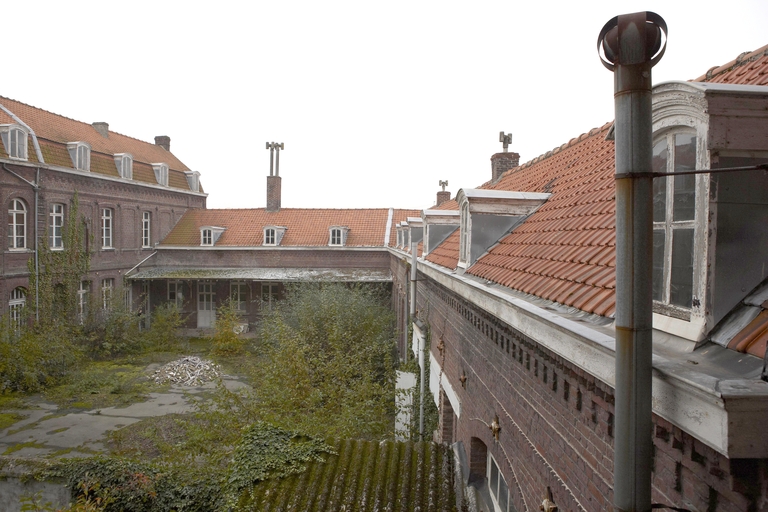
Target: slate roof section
[[367, 476], [306, 227], [749, 68], [54, 131]]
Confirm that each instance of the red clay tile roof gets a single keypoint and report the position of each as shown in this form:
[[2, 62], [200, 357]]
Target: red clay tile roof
[[749, 68], [305, 227], [753, 339], [447, 253], [565, 251], [54, 132]]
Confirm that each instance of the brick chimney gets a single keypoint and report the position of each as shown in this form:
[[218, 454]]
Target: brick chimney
[[443, 196], [102, 128], [163, 141], [273, 193], [502, 162]]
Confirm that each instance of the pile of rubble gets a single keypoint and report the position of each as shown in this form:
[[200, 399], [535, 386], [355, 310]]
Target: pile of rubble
[[188, 371]]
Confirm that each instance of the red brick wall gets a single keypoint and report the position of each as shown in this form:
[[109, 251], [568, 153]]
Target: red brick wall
[[127, 199], [557, 421]]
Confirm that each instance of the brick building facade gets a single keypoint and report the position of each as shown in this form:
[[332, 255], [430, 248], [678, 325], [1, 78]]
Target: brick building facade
[[130, 193]]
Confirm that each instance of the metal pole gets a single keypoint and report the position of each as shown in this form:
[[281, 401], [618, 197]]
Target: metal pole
[[277, 159], [271, 148], [632, 45], [422, 344]]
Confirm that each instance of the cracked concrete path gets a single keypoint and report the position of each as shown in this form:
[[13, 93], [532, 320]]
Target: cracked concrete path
[[47, 431]]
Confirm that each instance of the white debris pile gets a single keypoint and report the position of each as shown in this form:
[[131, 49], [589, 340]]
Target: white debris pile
[[188, 371]]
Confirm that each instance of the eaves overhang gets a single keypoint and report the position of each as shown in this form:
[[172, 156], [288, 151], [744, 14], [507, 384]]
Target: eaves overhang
[[501, 202], [268, 274], [721, 410]]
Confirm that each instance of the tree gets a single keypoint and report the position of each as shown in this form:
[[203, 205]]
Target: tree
[[329, 367]]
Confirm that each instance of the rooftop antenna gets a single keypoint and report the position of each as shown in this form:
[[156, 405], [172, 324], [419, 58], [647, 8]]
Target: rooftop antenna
[[272, 147], [443, 184], [506, 140]]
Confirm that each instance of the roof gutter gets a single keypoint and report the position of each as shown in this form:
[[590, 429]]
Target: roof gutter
[[30, 130]]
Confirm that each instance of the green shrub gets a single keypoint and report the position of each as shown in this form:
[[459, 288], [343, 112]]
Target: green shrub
[[163, 333], [32, 359], [225, 340]]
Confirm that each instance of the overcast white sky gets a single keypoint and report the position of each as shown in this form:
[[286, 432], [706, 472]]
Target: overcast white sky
[[375, 101]]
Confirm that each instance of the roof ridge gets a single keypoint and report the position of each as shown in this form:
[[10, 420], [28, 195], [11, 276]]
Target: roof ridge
[[572, 142], [742, 59], [73, 120]]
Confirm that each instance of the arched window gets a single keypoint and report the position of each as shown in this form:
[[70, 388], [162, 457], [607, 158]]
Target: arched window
[[16, 304], [17, 225]]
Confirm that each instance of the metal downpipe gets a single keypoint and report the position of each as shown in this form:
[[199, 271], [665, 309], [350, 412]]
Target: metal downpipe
[[632, 46]]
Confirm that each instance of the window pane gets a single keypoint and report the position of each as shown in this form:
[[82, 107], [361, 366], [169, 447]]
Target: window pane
[[494, 479], [658, 265], [685, 193], [503, 494], [659, 164], [681, 285]]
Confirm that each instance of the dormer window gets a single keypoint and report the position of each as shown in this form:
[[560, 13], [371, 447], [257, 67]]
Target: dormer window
[[273, 235], [338, 236], [15, 141], [209, 235], [491, 214], [80, 153], [161, 173], [674, 215], [193, 179], [124, 164]]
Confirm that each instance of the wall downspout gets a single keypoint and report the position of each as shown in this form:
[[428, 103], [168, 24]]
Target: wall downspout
[[36, 187], [422, 359]]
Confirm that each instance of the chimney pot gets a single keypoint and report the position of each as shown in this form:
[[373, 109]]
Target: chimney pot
[[502, 162], [102, 128], [163, 141]]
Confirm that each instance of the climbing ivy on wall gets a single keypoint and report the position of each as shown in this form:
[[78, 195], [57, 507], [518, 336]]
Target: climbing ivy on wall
[[54, 284]]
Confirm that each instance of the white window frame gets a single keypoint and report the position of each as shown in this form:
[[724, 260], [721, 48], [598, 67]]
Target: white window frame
[[16, 303], [495, 490], [337, 236], [56, 226], [669, 226], [107, 228], [161, 173], [270, 236], [146, 229], [176, 294], [270, 291], [124, 164], [80, 153], [465, 239], [206, 237], [15, 141], [238, 292], [17, 225], [107, 291]]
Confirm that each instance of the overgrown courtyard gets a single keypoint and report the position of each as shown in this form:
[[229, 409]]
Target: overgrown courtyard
[[319, 369]]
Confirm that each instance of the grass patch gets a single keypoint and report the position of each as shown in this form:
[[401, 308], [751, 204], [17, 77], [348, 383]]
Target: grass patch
[[8, 418], [21, 446], [102, 384], [12, 401]]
